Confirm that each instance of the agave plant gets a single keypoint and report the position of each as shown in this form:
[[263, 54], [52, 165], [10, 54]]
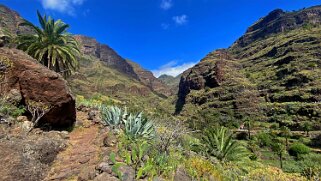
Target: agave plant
[[138, 127], [111, 116], [219, 143]]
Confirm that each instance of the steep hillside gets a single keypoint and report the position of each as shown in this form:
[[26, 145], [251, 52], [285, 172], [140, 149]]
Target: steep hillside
[[96, 78], [216, 89], [91, 47], [10, 20], [171, 81], [278, 58], [148, 79]]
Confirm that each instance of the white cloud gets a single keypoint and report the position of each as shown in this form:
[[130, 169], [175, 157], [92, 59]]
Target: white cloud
[[173, 69], [63, 6], [180, 20], [166, 4]]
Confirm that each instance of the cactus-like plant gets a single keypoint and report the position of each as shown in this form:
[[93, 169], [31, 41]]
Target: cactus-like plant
[[138, 127], [111, 116]]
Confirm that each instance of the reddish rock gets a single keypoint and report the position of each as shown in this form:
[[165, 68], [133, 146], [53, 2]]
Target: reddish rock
[[38, 84]]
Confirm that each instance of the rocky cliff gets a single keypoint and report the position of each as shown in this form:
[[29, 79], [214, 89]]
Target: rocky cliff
[[278, 61], [90, 46]]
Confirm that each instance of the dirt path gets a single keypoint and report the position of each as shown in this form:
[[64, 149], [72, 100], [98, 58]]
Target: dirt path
[[81, 155]]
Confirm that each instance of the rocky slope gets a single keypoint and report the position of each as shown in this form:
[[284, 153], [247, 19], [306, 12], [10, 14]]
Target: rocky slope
[[171, 81], [278, 59], [95, 79], [148, 79], [90, 46], [10, 20]]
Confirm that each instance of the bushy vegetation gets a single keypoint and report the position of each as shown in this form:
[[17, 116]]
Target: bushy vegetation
[[8, 109], [298, 150]]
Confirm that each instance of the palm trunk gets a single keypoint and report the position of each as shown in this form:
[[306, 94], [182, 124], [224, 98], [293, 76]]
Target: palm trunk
[[286, 142], [281, 162]]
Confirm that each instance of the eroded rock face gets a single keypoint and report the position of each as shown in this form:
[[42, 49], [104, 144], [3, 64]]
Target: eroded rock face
[[208, 73], [38, 86], [90, 46]]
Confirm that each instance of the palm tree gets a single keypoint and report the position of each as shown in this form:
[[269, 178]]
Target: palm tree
[[51, 45], [307, 127], [220, 144], [286, 133], [279, 149]]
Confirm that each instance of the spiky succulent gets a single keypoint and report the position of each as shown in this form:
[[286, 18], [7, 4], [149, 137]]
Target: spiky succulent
[[138, 127], [219, 143], [135, 125], [111, 116]]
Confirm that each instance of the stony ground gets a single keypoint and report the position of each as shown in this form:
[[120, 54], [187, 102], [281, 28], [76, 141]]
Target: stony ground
[[84, 154], [57, 155]]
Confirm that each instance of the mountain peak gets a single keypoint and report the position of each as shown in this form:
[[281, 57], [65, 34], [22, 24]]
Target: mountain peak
[[278, 21]]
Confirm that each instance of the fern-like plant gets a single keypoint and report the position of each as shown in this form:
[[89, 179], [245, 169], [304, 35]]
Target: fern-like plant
[[219, 143], [111, 116], [138, 127]]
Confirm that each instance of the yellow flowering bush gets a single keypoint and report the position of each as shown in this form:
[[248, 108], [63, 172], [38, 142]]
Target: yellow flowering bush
[[202, 169], [273, 174]]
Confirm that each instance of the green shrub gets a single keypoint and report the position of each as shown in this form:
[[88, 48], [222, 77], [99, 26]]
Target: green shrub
[[298, 150], [8, 109], [264, 139]]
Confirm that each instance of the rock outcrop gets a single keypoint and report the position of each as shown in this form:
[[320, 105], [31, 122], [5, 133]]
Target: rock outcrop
[[39, 87]]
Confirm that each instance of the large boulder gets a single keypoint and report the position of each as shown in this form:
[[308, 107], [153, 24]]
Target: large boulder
[[39, 87]]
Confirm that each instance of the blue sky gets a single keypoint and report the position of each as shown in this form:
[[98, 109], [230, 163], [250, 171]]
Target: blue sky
[[166, 36]]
